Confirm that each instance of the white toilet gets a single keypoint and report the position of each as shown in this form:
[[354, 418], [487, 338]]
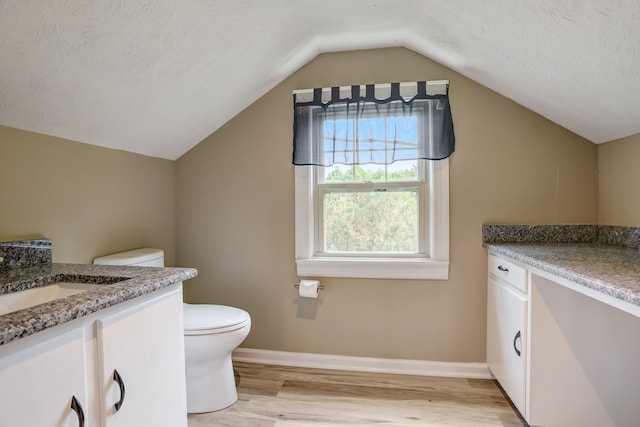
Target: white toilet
[[211, 333]]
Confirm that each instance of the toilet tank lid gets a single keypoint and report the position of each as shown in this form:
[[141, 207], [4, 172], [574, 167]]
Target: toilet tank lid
[[135, 256]]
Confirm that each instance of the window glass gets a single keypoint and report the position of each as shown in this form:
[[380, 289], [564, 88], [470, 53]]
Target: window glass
[[372, 137], [371, 221], [372, 208], [402, 170]]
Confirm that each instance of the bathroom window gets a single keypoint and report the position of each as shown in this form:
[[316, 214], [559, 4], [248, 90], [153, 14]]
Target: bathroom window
[[370, 205]]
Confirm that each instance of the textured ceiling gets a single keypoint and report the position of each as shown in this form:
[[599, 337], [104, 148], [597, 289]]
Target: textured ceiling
[[158, 76]]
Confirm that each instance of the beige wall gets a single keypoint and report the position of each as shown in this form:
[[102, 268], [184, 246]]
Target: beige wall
[[619, 175], [235, 222], [88, 200]]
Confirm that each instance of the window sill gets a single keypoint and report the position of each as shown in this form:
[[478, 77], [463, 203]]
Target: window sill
[[381, 268]]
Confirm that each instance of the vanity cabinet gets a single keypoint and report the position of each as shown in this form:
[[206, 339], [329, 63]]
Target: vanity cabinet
[[566, 354], [507, 306], [47, 377], [141, 370]]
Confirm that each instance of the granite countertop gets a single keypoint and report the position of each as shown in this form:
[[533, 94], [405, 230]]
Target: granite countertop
[[603, 258], [118, 284]]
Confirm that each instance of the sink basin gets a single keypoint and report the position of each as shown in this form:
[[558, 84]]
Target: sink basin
[[15, 301]]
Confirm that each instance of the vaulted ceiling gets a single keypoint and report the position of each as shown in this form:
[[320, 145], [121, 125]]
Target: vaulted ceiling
[[158, 76]]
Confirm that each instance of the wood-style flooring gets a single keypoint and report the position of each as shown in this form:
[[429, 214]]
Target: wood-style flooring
[[278, 396]]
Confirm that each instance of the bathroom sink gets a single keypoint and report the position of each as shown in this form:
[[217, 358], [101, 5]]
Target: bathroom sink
[[19, 300]]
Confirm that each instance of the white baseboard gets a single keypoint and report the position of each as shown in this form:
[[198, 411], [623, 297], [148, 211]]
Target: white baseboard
[[363, 364]]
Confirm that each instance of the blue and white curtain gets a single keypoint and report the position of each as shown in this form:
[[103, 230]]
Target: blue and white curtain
[[358, 126]]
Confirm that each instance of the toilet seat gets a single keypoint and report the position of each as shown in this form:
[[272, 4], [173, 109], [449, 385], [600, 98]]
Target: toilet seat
[[203, 319]]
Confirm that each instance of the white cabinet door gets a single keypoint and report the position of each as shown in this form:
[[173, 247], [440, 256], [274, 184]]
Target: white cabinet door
[[506, 339], [144, 345], [39, 382]]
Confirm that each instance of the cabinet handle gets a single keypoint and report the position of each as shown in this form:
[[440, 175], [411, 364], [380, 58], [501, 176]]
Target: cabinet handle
[[118, 379], [77, 408], [515, 339], [501, 268]]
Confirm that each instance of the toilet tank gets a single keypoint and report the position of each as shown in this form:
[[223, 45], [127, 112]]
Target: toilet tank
[[143, 257]]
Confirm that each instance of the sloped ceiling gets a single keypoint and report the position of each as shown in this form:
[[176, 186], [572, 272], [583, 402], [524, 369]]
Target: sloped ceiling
[[158, 76]]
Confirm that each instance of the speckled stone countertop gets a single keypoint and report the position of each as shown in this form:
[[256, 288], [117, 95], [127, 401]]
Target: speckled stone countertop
[[605, 259], [118, 284]]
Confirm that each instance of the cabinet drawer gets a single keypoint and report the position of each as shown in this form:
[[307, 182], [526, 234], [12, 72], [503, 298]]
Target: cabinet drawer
[[507, 340], [509, 272]]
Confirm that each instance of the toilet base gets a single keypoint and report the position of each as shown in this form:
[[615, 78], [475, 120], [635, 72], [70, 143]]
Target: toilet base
[[212, 391]]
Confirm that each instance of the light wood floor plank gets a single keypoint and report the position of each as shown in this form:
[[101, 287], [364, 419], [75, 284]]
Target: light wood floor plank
[[277, 396]]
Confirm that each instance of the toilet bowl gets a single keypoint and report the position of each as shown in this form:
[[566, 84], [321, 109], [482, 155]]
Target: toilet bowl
[[211, 333]]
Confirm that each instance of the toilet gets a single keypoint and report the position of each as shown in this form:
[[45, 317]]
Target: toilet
[[211, 333]]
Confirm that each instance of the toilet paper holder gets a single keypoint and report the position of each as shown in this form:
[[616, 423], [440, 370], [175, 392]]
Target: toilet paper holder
[[320, 287]]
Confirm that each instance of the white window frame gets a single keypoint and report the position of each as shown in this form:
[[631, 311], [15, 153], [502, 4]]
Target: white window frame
[[435, 266]]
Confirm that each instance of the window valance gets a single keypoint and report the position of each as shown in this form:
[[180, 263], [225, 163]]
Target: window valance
[[377, 124]]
